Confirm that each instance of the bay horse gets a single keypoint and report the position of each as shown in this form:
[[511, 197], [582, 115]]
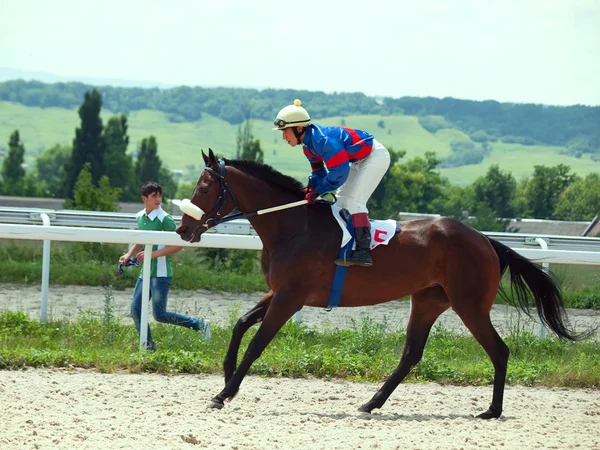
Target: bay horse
[[441, 263]]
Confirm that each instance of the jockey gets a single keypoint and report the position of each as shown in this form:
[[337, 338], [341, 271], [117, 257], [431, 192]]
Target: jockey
[[346, 159]]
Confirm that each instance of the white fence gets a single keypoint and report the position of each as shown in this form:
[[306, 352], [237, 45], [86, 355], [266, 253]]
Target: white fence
[[236, 234]]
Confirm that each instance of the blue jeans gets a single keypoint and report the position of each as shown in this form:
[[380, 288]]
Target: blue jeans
[[159, 294]]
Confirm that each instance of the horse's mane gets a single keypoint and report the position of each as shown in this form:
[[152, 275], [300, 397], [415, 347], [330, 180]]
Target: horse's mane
[[266, 173]]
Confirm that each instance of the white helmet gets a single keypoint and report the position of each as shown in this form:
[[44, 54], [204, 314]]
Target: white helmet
[[292, 116]]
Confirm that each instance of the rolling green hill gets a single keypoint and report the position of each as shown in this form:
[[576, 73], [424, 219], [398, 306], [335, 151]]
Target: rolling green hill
[[180, 143]]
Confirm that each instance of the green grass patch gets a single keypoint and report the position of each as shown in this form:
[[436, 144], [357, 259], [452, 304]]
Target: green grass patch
[[366, 352]]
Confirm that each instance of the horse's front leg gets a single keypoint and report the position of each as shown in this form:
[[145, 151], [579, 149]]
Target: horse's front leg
[[279, 312], [255, 315]]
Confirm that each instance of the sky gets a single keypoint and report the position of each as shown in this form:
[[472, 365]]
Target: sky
[[523, 51]]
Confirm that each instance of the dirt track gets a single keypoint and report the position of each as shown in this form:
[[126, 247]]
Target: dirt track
[[86, 410]]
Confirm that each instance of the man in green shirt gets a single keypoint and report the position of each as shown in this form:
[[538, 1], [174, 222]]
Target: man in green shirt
[[154, 218]]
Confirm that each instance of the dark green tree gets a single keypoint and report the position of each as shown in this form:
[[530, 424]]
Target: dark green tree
[[13, 173], [246, 146], [168, 184], [495, 191], [543, 189], [377, 201], [88, 197], [581, 200], [88, 145], [148, 164], [119, 165], [413, 186], [486, 220], [50, 169]]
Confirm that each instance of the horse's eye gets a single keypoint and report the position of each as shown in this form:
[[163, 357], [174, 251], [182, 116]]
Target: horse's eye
[[204, 189]]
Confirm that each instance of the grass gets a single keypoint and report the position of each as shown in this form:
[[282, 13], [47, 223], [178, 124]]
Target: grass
[[99, 341], [179, 144]]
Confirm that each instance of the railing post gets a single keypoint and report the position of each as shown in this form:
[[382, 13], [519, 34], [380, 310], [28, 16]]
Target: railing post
[[145, 297], [297, 317], [45, 271], [546, 267]]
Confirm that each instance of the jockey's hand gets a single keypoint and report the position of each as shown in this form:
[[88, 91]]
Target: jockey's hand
[[311, 195]]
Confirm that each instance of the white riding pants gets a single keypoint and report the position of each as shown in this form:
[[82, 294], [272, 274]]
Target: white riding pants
[[364, 177]]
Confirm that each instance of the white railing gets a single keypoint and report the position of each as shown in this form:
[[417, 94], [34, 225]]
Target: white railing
[[95, 219]]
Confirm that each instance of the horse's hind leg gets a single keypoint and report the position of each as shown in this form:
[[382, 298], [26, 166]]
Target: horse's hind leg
[[480, 324], [252, 317], [426, 307]]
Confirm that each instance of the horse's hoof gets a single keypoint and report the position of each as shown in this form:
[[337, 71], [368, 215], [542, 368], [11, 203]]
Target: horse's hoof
[[490, 414], [365, 408], [216, 404]]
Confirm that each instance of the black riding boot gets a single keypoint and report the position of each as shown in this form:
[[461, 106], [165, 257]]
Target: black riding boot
[[362, 255]]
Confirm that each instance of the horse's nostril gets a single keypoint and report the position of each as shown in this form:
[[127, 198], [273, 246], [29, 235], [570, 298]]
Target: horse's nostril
[[181, 229]]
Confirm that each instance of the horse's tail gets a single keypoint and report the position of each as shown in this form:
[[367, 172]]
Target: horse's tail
[[528, 279]]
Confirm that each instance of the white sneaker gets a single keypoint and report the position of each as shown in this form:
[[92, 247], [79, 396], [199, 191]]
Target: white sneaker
[[206, 330]]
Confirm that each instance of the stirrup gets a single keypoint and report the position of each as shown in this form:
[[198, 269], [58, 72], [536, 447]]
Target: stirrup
[[347, 262]]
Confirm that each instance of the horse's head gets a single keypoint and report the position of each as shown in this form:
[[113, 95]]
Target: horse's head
[[211, 194]]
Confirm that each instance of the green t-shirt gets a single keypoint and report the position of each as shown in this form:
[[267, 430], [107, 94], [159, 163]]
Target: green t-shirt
[[157, 220]]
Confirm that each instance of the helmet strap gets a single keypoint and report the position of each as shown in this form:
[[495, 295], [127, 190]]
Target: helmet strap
[[298, 134]]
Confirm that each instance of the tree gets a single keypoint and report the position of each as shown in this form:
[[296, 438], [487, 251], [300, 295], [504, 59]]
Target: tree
[[50, 169], [377, 200], [246, 146], [486, 220], [13, 173], [496, 191], [88, 144], [413, 186], [544, 188], [119, 165], [581, 200], [168, 184], [87, 197], [148, 164]]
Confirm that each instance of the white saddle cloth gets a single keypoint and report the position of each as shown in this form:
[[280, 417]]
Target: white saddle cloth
[[381, 230]]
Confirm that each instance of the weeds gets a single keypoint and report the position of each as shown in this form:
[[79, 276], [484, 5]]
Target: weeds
[[364, 353]]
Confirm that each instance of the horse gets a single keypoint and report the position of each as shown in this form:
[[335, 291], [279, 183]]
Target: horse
[[440, 262]]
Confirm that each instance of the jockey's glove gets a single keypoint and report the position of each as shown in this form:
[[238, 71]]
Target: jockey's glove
[[312, 196]]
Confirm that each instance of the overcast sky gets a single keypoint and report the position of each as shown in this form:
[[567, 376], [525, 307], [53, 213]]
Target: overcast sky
[[540, 51]]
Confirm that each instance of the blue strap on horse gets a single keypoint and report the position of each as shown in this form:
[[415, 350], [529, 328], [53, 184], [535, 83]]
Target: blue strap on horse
[[340, 271], [130, 262]]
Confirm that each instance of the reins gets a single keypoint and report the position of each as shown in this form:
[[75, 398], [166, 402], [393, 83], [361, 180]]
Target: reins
[[226, 191]]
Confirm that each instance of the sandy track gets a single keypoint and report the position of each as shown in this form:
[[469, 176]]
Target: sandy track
[[86, 410], [82, 409]]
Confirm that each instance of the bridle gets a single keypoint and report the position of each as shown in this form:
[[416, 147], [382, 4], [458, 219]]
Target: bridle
[[212, 217]]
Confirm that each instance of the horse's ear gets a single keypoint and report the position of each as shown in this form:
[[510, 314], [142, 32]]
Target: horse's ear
[[205, 158], [211, 157]]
